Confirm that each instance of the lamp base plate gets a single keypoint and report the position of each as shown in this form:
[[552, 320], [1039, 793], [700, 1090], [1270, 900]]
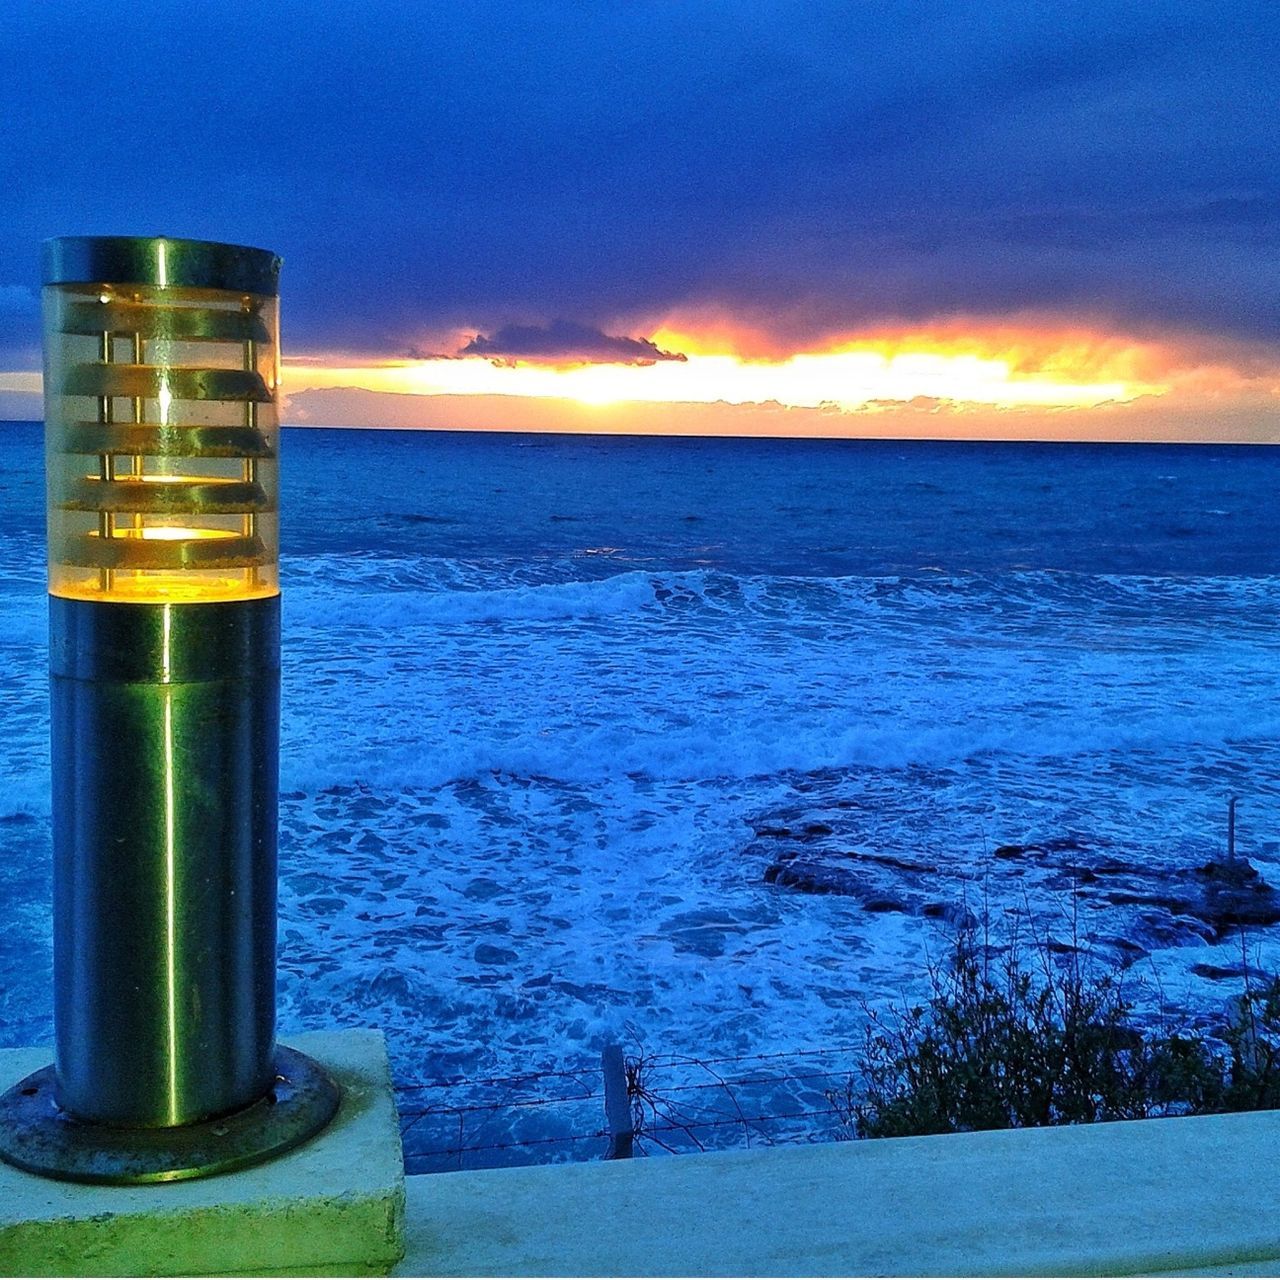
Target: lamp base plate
[[38, 1136]]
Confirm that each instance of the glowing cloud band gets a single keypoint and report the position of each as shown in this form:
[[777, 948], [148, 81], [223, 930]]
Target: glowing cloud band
[[848, 380]]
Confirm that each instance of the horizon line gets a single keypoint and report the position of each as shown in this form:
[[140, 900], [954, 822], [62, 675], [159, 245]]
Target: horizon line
[[796, 437]]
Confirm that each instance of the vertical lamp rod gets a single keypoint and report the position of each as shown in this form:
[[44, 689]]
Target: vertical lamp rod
[[161, 368]]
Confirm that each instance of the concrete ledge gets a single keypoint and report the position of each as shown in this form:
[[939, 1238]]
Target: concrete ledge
[[1195, 1195], [335, 1206]]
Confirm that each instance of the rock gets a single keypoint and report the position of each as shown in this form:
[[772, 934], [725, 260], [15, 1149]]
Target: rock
[[1125, 951], [1057, 844], [1156, 929], [1126, 903], [953, 913], [811, 879], [1114, 867], [899, 864], [1235, 895], [1229, 908], [806, 832], [1123, 944], [1236, 872], [1217, 972], [1174, 906], [1062, 844], [1054, 947]]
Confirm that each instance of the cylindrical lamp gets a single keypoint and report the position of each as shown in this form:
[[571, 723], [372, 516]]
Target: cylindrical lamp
[[161, 368]]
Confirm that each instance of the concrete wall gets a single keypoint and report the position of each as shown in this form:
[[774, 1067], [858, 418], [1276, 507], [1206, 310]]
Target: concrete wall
[[1191, 1196], [333, 1206], [1197, 1196]]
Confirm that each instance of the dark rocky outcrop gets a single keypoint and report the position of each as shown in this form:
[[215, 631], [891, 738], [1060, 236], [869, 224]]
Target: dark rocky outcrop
[[1235, 895], [1075, 887], [1218, 972]]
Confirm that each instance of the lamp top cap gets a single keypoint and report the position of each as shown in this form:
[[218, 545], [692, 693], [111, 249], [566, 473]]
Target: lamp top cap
[[161, 261]]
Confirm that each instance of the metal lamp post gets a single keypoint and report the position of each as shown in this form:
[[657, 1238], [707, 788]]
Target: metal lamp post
[[161, 364]]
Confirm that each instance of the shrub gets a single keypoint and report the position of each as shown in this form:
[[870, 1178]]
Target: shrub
[[1000, 1044]]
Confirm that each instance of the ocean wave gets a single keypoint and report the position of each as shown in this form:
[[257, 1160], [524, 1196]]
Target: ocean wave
[[702, 673], [711, 749], [379, 592], [381, 595], [548, 603]]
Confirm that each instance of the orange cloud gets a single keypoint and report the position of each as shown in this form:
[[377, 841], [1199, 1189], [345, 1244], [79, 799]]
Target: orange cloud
[[1032, 346], [945, 371]]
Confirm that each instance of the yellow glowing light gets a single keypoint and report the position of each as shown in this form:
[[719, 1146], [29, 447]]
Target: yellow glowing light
[[161, 441], [851, 379], [167, 584], [169, 532], [170, 589]]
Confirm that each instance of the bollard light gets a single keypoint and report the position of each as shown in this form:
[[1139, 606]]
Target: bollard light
[[161, 368]]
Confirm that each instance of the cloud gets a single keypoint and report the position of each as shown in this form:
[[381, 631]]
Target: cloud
[[810, 168], [563, 342], [20, 406], [1194, 419]]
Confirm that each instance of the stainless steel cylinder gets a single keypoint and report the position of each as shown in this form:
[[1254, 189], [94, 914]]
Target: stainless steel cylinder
[[165, 731], [161, 376]]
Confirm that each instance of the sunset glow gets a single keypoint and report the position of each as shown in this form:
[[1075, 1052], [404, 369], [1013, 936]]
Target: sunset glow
[[852, 378], [1030, 376]]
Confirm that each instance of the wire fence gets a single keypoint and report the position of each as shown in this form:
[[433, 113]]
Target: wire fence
[[674, 1104]]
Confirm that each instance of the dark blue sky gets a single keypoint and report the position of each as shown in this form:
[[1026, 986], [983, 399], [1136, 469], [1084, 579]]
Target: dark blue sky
[[810, 167]]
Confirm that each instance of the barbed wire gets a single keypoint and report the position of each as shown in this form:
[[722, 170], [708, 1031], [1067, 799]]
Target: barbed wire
[[648, 1132], [746, 1120], [445, 1108], [455, 1081], [680, 1058], [752, 1080], [698, 1112], [596, 1136], [713, 1085], [662, 1059]]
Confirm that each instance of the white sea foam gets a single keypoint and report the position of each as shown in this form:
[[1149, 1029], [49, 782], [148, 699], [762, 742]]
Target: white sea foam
[[323, 607], [522, 755], [702, 674]]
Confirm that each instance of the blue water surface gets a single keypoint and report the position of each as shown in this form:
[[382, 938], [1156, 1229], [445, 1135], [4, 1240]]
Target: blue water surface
[[539, 690]]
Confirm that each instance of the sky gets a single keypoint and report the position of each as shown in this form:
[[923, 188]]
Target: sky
[[858, 218]]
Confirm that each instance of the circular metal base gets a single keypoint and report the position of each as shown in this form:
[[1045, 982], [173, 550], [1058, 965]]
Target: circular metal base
[[38, 1136]]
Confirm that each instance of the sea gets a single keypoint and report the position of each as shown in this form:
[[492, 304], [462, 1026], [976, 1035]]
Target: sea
[[560, 710]]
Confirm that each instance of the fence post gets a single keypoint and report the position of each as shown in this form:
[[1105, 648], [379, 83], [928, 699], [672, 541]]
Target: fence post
[[617, 1106]]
